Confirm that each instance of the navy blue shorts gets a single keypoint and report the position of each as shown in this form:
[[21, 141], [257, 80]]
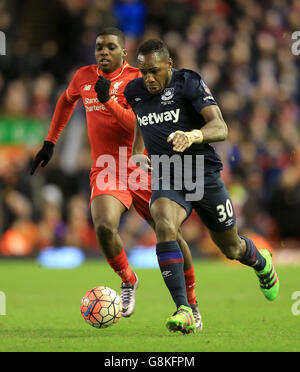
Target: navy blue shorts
[[214, 209]]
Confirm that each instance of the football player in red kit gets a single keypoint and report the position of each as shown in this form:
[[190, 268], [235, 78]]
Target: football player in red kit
[[110, 124]]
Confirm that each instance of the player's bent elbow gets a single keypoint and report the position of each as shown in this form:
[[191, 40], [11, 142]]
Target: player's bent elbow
[[222, 130], [225, 130]]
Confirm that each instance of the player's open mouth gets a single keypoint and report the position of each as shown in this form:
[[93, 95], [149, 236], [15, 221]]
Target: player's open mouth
[[153, 88], [104, 62]]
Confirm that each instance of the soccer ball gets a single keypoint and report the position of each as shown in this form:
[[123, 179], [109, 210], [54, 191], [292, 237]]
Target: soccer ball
[[101, 307]]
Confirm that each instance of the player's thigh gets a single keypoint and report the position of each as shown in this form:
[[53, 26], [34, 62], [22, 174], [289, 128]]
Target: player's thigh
[[106, 210], [171, 205], [167, 211], [217, 213], [215, 209]]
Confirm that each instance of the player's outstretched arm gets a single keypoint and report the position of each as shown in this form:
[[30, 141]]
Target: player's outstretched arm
[[214, 130], [62, 114]]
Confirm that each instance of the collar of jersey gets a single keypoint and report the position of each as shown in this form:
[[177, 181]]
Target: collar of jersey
[[113, 75]]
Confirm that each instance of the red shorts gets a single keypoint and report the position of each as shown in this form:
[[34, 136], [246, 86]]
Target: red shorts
[[127, 196]]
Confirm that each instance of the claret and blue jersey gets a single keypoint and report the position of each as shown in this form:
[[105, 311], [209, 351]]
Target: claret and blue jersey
[[176, 108]]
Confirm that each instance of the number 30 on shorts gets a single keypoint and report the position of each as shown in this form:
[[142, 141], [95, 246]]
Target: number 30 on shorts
[[225, 211]]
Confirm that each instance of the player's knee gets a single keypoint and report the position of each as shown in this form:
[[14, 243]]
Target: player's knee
[[105, 229], [165, 229]]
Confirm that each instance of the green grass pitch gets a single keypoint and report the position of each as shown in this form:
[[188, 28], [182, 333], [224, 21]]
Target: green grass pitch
[[43, 311]]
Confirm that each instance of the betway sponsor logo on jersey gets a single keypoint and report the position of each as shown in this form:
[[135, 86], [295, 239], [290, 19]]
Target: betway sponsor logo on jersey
[[155, 118]]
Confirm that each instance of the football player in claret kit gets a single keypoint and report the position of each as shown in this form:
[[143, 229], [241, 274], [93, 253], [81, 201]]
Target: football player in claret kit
[[177, 117], [110, 124]]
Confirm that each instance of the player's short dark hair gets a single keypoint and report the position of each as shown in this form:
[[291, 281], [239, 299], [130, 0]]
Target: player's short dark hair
[[112, 31], [154, 46]]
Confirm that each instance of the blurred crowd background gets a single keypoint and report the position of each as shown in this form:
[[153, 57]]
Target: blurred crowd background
[[242, 48]]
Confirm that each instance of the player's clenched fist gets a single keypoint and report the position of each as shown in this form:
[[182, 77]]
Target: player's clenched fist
[[183, 140], [180, 140], [102, 89]]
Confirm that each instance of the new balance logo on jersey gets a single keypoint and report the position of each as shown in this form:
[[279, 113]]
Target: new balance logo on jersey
[[155, 118], [166, 273]]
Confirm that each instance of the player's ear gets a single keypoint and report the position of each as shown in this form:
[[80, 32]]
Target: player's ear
[[124, 53], [170, 63]]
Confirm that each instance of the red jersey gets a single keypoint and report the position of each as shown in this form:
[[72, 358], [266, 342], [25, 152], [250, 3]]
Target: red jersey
[[106, 132], [111, 133]]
